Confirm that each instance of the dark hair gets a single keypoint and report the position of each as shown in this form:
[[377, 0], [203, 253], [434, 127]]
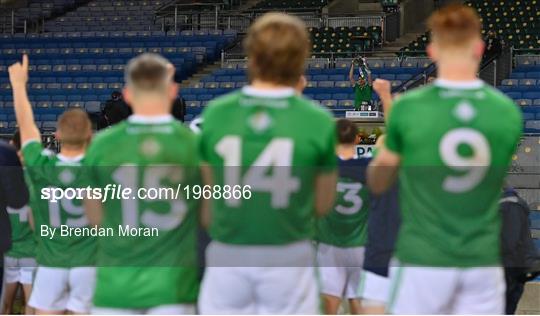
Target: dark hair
[[346, 131], [16, 140]]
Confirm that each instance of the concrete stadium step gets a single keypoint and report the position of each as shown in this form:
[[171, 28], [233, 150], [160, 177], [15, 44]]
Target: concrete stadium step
[[208, 69], [529, 303]]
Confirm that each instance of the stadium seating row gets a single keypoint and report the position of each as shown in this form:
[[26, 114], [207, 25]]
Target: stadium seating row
[[345, 39], [41, 9], [513, 21], [103, 15], [21, 37]]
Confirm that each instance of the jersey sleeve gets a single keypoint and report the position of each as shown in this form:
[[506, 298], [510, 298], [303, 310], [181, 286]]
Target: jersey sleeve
[[89, 173], [394, 129], [202, 137], [38, 161]]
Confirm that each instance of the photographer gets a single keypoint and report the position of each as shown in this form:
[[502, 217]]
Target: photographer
[[115, 109], [494, 45], [362, 86]]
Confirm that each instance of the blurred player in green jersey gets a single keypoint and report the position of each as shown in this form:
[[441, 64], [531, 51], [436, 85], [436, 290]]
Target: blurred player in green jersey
[[452, 143], [342, 233], [281, 147], [65, 276], [19, 261], [141, 274]]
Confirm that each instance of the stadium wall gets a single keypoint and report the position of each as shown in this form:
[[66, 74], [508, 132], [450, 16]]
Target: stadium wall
[[413, 11], [13, 3], [341, 7]]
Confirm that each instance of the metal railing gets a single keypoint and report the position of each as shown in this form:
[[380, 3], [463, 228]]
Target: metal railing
[[177, 16], [516, 53], [330, 59], [351, 21], [491, 71]]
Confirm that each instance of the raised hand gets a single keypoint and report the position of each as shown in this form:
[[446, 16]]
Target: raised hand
[[18, 73], [383, 89]]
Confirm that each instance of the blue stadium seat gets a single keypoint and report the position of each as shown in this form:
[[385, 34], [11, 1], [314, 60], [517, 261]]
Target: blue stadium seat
[[320, 78], [92, 107], [323, 96], [340, 96], [325, 84], [524, 102], [531, 95], [346, 103], [49, 125], [329, 103], [514, 95]]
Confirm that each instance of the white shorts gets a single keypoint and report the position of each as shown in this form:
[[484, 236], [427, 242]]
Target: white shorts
[[176, 309], [250, 289], [426, 290], [64, 289], [340, 270], [373, 289], [19, 270]]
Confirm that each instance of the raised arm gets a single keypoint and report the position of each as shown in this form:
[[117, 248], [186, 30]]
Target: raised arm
[[93, 210], [351, 75], [368, 71], [383, 169], [18, 76], [383, 89]]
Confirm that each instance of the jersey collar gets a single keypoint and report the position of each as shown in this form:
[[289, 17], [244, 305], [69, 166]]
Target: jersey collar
[[143, 119], [63, 158], [463, 85], [274, 93]]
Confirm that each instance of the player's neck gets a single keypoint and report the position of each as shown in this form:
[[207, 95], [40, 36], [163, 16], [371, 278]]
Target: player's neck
[[151, 107], [346, 152], [151, 110], [455, 71]]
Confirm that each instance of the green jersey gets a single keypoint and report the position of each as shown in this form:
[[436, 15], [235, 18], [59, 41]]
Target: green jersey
[[455, 142], [346, 224], [361, 94], [47, 171], [155, 265], [276, 143], [23, 243]]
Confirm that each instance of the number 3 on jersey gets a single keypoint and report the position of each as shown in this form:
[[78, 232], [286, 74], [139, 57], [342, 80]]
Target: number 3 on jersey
[[474, 167], [351, 197], [271, 171]]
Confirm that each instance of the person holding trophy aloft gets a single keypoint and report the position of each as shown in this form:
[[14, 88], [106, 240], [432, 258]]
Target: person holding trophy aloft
[[362, 85]]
